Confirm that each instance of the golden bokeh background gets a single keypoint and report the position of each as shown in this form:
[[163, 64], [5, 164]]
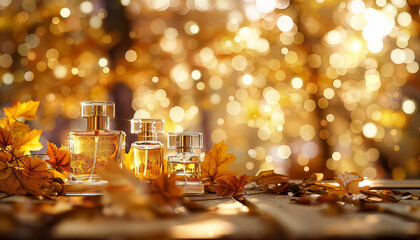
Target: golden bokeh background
[[298, 86]]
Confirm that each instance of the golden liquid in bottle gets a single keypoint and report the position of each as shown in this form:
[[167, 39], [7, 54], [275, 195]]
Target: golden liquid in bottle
[[187, 171], [147, 162], [90, 152]]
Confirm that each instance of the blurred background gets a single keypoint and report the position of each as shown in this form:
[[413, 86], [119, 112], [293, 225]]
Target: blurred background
[[298, 86]]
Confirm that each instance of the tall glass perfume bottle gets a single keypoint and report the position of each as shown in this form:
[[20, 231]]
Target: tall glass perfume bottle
[[147, 162], [91, 150], [185, 164]]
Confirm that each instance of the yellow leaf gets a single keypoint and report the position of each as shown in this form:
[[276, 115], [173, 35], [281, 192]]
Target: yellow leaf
[[25, 110], [128, 160], [63, 175], [215, 163], [25, 139]]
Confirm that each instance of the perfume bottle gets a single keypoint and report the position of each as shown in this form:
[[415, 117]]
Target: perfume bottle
[[147, 161], [185, 164], [91, 150]]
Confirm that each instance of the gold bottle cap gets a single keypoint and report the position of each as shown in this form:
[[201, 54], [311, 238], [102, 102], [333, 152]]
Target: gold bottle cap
[[98, 109], [188, 140], [147, 125]]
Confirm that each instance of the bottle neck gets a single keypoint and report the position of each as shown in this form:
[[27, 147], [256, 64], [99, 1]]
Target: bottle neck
[[185, 150], [147, 136], [97, 123]]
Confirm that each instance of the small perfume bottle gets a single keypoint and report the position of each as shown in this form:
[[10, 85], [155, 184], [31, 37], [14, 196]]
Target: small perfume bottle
[[91, 150], [147, 161], [185, 164]]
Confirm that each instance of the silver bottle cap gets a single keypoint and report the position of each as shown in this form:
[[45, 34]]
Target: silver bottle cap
[[188, 140]]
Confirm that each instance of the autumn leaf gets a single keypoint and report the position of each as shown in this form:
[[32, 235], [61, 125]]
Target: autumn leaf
[[14, 181], [37, 168], [26, 139], [164, 191], [59, 157], [125, 192], [348, 184], [280, 189], [230, 186], [6, 137], [313, 177], [128, 160], [25, 110], [268, 177], [215, 163]]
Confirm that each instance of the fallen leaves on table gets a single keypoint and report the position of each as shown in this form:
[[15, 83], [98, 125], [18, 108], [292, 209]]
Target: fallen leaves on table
[[230, 186], [313, 177], [124, 195], [25, 110], [59, 157], [268, 177], [164, 192], [348, 184], [128, 196], [215, 163]]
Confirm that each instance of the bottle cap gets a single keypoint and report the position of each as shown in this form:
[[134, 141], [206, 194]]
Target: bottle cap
[[185, 140], [150, 125], [98, 108]]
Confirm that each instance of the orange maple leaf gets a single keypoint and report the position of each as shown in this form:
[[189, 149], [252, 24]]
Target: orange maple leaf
[[6, 137], [35, 167], [59, 157], [164, 191], [20, 174], [215, 162], [230, 186], [25, 110]]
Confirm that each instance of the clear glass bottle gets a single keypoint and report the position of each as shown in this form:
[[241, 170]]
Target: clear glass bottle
[[147, 161], [185, 164], [90, 150]]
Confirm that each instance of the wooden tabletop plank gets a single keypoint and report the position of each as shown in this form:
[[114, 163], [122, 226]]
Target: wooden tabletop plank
[[308, 222]]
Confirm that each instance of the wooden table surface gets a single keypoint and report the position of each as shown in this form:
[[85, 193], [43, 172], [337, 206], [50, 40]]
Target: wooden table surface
[[258, 216]]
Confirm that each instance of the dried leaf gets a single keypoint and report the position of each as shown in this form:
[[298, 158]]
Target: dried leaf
[[18, 183], [125, 195], [230, 186], [37, 168], [59, 157], [348, 184], [215, 163], [164, 191], [280, 189], [5, 168], [25, 139], [25, 110], [6, 137], [268, 177], [312, 177]]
